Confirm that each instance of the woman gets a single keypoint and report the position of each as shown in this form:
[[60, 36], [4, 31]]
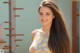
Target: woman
[[53, 36]]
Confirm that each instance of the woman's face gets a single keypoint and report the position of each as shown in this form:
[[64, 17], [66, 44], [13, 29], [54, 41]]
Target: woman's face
[[46, 16]]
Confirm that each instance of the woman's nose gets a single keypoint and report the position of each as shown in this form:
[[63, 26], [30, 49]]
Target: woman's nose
[[43, 17]]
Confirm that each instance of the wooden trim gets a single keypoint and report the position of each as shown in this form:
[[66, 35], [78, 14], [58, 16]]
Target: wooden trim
[[74, 27]]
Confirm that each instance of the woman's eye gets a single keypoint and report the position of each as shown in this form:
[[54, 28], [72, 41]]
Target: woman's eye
[[47, 14], [40, 14]]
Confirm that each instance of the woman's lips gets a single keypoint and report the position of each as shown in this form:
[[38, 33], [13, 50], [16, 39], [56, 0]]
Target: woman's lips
[[43, 20]]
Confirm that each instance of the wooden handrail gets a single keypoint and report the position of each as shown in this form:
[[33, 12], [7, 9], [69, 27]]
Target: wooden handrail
[[7, 22], [18, 8], [15, 34], [16, 15], [6, 47], [2, 41], [18, 40], [17, 45], [9, 28], [6, 2]]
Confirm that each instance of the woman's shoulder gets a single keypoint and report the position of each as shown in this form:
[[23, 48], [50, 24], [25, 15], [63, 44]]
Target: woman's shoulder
[[34, 32]]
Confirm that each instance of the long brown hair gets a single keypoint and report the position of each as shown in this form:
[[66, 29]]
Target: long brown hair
[[58, 38]]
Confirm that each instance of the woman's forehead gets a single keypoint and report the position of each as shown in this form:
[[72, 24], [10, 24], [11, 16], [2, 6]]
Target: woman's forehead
[[45, 9]]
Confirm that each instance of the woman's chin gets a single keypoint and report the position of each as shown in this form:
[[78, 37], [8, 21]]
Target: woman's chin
[[44, 24]]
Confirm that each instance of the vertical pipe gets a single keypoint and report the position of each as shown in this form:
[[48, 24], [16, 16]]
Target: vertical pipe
[[10, 26], [12, 20]]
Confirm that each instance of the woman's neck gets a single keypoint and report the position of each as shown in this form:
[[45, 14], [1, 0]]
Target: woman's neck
[[46, 28]]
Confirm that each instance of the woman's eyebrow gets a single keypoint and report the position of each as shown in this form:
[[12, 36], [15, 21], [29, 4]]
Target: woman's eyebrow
[[47, 12]]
